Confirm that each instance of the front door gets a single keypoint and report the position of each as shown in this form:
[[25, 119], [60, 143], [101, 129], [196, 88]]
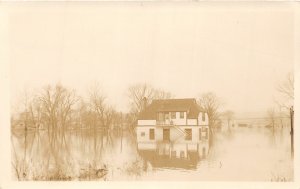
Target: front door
[[166, 134]]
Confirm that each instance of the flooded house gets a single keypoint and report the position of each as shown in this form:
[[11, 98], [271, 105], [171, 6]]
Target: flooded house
[[173, 131]]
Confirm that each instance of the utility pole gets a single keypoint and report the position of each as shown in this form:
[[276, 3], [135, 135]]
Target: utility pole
[[292, 130]]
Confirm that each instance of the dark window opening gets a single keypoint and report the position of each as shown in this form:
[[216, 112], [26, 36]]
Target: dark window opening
[[151, 134], [166, 134], [188, 134], [203, 116], [200, 134], [206, 133], [181, 115], [166, 116]]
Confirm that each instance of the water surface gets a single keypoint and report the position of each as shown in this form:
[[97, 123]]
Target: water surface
[[244, 154]]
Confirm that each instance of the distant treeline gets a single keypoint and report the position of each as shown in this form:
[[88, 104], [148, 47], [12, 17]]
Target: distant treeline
[[57, 108]]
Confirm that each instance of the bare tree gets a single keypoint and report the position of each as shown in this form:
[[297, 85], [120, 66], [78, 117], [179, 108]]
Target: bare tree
[[89, 115], [96, 102], [57, 103], [105, 114], [161, 94], [210, 103], [29, 110], [52, 106], [136, 94], [35, 110], [141, 95], [25, 104], [286, 90]]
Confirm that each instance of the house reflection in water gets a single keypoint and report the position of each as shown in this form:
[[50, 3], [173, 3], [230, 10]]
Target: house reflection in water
[[173, 133]]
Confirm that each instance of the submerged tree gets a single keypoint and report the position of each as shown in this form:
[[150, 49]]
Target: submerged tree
[[272, 118], [271, 115], [57, 105], [53, 107], [104, 114], [29, 111], [286, 91], [210, 103], [285, 100]]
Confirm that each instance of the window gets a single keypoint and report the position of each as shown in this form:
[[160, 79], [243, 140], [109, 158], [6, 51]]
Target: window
[[181, 115], [142, 134], [203, 116], [200, 134], [206, 133], [166, 116], [166, 134], [188, 134], [151, 134], [173, 115]]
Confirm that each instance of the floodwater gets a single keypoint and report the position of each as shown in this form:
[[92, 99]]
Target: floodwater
[[244, 154]]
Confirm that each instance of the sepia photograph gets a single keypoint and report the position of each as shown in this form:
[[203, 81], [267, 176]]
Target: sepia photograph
[[151, 91]]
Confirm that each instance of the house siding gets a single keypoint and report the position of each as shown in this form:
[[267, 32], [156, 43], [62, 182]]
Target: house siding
[[192, 122], [146, 131], [146, 122], [200, 121], [177, 133], [178, 120]]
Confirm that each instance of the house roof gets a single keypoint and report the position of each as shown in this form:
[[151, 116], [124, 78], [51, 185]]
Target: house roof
[[188, 105]]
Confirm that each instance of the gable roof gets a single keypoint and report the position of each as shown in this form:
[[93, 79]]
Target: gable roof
[[188, 105]]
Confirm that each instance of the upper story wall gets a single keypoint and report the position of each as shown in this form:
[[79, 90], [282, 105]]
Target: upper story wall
[[177, 120], [146, 122], [192, 122], [174, 118]]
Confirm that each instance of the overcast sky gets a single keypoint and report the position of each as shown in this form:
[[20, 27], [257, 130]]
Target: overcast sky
[[240, 53]]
